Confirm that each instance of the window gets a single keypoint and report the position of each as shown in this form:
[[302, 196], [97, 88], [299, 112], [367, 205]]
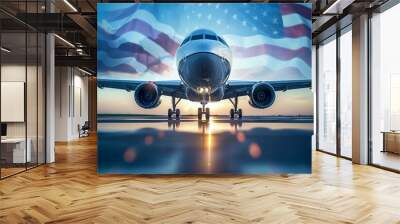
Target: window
[[197, 37], [385, 89], [327, 95], [346, 93], [210, 37]]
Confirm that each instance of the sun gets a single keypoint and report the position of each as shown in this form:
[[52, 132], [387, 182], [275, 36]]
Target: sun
[[217, 108]]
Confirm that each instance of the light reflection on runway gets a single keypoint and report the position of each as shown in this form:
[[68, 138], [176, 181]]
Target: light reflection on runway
[[190, 126], [209, 148], [214, 147]]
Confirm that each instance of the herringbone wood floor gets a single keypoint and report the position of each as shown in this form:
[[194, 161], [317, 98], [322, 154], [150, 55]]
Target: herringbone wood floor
[[70, 191]]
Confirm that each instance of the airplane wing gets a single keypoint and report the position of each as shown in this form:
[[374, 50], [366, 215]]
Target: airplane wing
[[167, 87], [241, 88]]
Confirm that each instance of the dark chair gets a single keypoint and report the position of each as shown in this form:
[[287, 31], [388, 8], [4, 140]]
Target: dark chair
[[84, 130]]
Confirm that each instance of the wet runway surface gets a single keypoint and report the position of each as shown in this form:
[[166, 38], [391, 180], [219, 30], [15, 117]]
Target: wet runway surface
[[154, 145]]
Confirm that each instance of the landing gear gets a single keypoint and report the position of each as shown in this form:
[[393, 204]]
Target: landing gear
[[203, 110], [174, 110], [235, 111], [170, 112], [199, 113]]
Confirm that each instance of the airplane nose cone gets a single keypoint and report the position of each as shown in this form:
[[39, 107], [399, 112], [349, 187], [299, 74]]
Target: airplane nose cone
[[204, 70], [205, 65]]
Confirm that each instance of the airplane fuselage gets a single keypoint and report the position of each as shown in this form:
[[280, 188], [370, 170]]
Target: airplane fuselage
[[204, 64]]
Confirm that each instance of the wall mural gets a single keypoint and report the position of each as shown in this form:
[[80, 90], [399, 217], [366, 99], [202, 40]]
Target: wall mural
[[204, 88]]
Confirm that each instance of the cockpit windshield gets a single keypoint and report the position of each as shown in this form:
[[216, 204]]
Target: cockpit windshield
[[210, 37], [197, 37], [204, 36]]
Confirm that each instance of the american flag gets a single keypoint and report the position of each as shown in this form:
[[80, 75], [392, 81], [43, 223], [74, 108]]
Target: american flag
[[268, 41]]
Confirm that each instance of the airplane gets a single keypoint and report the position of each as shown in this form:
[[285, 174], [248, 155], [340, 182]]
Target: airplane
[[204, 64]]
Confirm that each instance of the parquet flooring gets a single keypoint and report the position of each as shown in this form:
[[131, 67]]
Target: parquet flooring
[[70, 191]]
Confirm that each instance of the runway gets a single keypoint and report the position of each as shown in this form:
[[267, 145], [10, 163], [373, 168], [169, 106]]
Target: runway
[[190, 118], [155, 145]]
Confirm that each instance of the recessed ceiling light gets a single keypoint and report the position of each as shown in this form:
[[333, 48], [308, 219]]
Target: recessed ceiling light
[[70, 5], [5, 50], [64, 40], [337, 7], [84, 71]]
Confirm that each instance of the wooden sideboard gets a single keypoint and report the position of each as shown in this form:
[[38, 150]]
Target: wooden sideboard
[[391, 141]]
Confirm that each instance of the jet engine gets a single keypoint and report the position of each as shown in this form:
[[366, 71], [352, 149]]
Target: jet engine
[[262, 95], [147, 95]]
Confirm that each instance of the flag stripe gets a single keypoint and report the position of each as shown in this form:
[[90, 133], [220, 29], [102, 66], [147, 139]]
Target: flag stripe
[[123, 68], [146, 30], [302, 10], [274, 51], [275, 64], [134, 63], [258, 73], [297, 31], [147, 18], [295, 19], [134, 37], [136, 51], [114, 15], [249, 41], [112, 62]]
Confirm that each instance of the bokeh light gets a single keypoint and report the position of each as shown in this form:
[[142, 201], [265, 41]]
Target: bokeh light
[[254, 150], [129, 155], [240, 137], [148, 140], [161, 134]]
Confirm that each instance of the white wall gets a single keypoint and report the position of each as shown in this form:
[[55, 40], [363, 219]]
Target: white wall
[[62, 82], [15, 72], [12, 73], [80, 110], [71, 102], [33, 127]]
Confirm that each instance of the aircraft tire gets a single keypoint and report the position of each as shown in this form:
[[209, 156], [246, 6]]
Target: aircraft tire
[[207, 114], [199, 113], [232, 113], [240, 113], [169, 113]]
